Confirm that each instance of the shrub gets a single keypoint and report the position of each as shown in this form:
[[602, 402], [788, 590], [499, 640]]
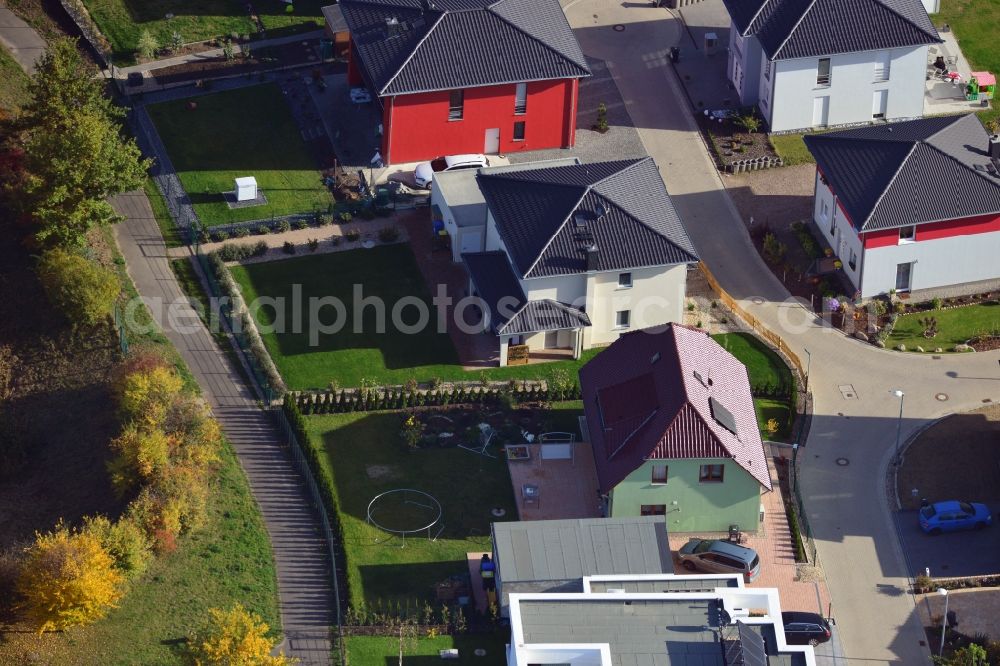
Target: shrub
[[242, 232], [83, 291], [335, 241], [774, 250], [312, 244], [937, 303], [283, 226], [235, 636], [140, 455], [67, 579], [230, 252], [323, 220], [602, 118], [219, 236], [388, 234], [262, 230], [124, 540], [345, 217], [301, 224], [288, 248], [258, 249], [145, 395], [147, 46], [353, 235]]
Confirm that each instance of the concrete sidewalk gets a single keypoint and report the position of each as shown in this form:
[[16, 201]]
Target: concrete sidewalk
[[23, 42], [846, 456], [305, 584]]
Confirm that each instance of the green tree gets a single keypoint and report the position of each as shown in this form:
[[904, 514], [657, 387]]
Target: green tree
[[147, 45], [75, 156], [82, 290]]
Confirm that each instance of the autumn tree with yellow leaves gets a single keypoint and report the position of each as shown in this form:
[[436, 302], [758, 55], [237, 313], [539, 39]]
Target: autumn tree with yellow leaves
[[67, 578], [235, 637]]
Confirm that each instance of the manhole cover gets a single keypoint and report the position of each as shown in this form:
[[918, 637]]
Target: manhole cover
[[847, 390], [480, 652], [758, 300], [941, 397], [499, 512], [843, 462], [618, 27]]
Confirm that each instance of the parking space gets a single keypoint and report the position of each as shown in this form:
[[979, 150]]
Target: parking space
[[970, 553]]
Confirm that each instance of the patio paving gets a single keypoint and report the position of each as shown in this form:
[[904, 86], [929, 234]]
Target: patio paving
[[566, 488], [942, 97], [773, 543]]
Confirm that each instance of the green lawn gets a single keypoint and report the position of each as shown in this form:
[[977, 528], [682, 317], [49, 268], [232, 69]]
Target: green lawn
[[13, 82], [955, 326], [384, 650], [791, 149], [122, 21], [227, 561], [244, 132], [765, 368], [388, 272], [976, 24], [171, 235], [364, 456]]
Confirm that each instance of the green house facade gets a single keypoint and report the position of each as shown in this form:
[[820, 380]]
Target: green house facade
[[671, 422], [689, 503]]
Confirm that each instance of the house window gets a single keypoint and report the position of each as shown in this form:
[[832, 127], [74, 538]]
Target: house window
[[883, 63], [767, 70], [521, 98], [456, 105], [624, 280], [519, 131], [711, 473], [907, 234], [653, 510], [824, 212], [823, 73], [853, 261], [622, 318], [659, 474]]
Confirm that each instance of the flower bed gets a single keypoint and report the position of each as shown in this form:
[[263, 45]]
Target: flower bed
[[733, 145]]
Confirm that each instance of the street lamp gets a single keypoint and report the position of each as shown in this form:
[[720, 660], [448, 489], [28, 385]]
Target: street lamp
[[809, 362], [944, 619], [899, 423]]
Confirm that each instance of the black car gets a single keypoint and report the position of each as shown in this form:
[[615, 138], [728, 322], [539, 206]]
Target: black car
[[805, 628]]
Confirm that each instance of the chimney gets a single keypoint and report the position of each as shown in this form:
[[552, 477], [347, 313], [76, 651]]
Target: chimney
[[592, 256], [391, 26], [994, 149]]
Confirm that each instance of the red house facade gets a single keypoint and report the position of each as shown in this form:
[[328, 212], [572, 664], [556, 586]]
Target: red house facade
[[911, 206], [466, 76]]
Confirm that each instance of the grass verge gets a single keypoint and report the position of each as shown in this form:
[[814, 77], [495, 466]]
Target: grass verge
[[791, 149], [13, 82], [209, 151]]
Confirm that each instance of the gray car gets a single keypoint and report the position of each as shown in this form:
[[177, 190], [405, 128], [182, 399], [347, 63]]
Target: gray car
[[718, 556]]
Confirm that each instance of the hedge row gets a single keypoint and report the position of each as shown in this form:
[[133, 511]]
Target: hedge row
[[360, 400]]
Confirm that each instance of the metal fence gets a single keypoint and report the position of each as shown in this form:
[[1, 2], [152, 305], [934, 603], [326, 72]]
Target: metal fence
[[302, 463], [805, 529], [223, 313]]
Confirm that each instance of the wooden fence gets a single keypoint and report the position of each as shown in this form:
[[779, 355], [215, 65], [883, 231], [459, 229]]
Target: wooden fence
[[754, 323]]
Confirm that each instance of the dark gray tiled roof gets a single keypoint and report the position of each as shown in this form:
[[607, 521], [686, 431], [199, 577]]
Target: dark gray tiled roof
[[808, 28], [496, 284], [913, 172], [544, 315], [510, 312], [454, 44], [631, 219]]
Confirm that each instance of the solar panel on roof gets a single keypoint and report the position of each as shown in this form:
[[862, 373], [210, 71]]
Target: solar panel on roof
[[722, 415], [749, 649]]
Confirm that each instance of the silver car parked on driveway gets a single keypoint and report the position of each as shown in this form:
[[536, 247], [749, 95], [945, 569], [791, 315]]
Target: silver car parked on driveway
[[718, 556]]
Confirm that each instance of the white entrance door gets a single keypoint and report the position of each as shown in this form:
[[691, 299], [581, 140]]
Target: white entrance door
[[821, 111], [880, 102], [492, 146]]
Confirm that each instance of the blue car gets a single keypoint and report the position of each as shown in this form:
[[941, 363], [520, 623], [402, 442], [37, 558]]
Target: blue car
[[953, 515]]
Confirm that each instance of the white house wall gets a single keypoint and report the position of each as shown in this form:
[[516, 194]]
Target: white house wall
[[469, 235], [838, 233], [744, 63], [939, 263], [655, 298], [568, 289], [852, 87]]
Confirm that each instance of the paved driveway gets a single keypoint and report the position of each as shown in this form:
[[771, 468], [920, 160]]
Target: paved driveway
[[971, 553], [848, 449]]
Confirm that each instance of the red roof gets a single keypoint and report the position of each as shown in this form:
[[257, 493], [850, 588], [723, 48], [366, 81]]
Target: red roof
[[649, 396]]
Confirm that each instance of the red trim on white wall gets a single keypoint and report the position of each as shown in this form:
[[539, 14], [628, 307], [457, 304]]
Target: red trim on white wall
[[966, 226]]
